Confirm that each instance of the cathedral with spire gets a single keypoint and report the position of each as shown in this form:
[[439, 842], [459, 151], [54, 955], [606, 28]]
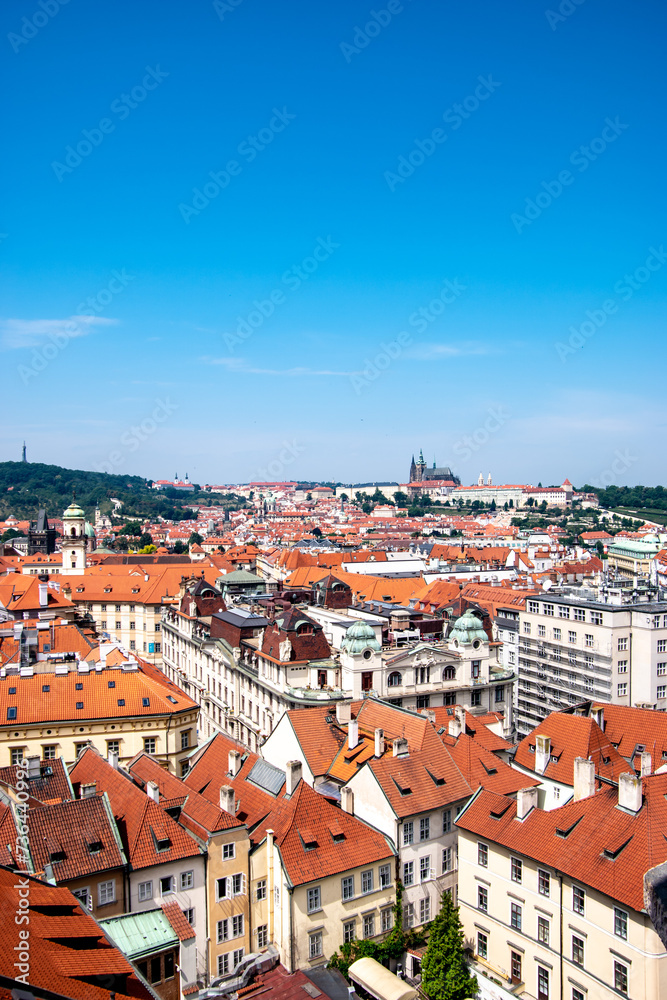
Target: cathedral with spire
[[420, 473]]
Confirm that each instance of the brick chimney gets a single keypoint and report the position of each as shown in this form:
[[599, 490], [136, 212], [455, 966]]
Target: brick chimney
[[292, 776], [347, 800], [630, 792], [584, 778]]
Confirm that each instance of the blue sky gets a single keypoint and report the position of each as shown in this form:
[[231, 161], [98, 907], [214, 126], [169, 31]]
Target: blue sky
[[254, 240]]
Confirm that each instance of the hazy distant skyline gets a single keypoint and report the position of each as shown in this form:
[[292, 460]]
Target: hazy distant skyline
[[319, 238]]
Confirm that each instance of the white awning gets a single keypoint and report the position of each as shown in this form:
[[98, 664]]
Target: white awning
[[380, 982]]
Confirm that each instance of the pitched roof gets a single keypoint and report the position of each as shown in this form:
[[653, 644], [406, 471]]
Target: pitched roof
[[592, 841], [69, 953], [628, 728], [77, 837], [420, 781], [571, 736], [482, 768], [143, 824], [52, 785]]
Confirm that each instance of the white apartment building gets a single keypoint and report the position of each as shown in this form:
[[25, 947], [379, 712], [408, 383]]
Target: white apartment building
[[576, 645]]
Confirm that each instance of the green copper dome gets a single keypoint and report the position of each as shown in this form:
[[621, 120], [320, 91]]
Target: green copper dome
[[73, 511], [468, 629], [359, 637]]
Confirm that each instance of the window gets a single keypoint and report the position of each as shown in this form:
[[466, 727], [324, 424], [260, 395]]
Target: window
[[548, 609], [237, 956], [349, 931], [79, 748], [189, 916], [533, 607], [408, 873], [620, 923], [662, 688], [543, 930], [622, 666], [145, 891], [526, 628], [621, 977], [185, 739], [103, 623], [369, 925], [662, 668], [16, 755], [132, 626], [228, 852], [166, 885], [563, 612], [394, 679], [49, 752], [386, 919], [622, 644], [146, 702], [596, 618], [557, 634], [447, 865], [238, 885], [516, 870], [409, 915], [482, 945], [260, 889], [483, 855], [662, 645], [347, 887], [571, 636], [367, 881], [423, 700], [156, 971], [578, 994], [424, 828], [121, 703], [515, 916], [622, 690], [385, 876], [425, 910], [315, 945], [149, 744], [475, 698], [314, 899], [169, 965], [482, 898], [579, 615], [187, 880], [106, 892], [223, 963], [476, 669], [424, 868], [589, 639], [543, 881], [516, 966], [408, 833], [500, 693], [542, 983], [158, 647], [541, 630], [223, 931], [447, 821], [577, 950], [578, 899], [237, 926], [117, 624], [79, 704]]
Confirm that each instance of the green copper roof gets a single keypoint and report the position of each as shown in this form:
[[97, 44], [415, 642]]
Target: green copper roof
[[360, 636], [73, 511], [467, 628], [238, 576], [138, 934]]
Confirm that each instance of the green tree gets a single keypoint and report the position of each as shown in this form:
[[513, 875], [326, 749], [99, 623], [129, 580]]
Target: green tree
[[445, 973], [492, 506], [179, 547], [401, 499], [194, 539], [131, 528], [146, 539], [317, 532], [10, 533]]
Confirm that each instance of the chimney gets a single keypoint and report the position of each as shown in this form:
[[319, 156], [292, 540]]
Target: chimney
[[343, 712], [152, 791], [88, 790], [352, 734], [33, 768], [630, 792], [227, 799], [526, 800], [400, 747], [379, 742], [597, 714], [430, 714], [584, 778], [112, 757], [347, 800], [645, 764], [542, 753], [43, 595], [234, 762], [292, 776]]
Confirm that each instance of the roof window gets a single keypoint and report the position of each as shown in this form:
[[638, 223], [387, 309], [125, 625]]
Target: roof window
[[79, 704], [13, 691], [146, 702], [78, 686], [11, 712], [46, 687], [112, 684], [121, 702]]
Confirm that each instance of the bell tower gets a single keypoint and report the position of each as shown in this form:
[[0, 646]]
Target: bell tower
[[74, 540]]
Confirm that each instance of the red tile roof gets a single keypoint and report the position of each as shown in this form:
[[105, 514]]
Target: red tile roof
[[82, 831], [176, 918], [571, 736]]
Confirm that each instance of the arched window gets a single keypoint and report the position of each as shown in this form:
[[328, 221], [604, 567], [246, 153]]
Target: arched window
[[73, 532], [449, 674], [394, 679]]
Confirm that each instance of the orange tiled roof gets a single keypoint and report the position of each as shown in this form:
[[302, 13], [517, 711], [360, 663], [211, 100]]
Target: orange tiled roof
[[572, 736]]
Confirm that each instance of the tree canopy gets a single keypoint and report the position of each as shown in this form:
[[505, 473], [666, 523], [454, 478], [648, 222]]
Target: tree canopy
[[445, 972]]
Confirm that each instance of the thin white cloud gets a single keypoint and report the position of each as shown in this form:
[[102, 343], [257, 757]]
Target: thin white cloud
[[241, 366], [16, 333], [428, 352]]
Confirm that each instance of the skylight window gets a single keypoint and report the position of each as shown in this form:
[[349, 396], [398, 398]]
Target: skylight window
[[121, 702], [79, 686], [12, 690], [46, 687], [11, 712], [112, 684], [79, 704], [146, 702]]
